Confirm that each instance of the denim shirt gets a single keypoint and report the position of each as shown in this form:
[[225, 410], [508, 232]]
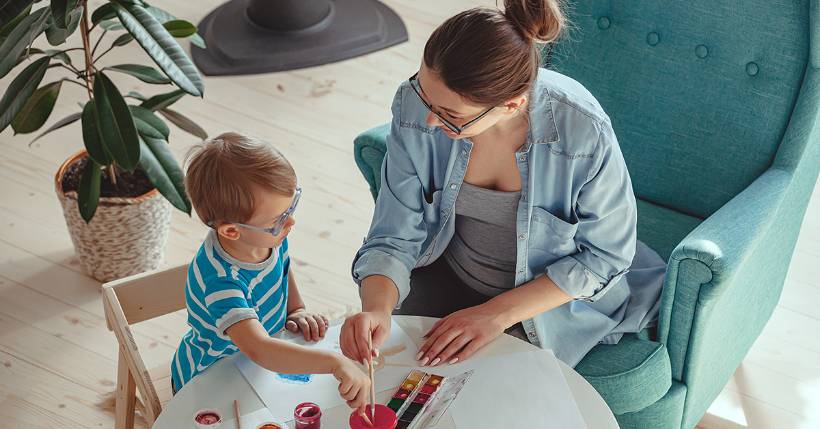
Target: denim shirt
[[576, 219]]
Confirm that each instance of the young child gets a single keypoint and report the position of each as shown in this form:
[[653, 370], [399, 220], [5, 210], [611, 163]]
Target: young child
[[240, 288]]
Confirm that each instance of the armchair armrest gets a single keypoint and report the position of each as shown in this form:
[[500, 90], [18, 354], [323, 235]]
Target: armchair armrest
[[369, 149], [722, 283]]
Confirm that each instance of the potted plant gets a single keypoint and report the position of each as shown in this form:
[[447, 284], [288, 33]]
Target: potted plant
[[116, 192]]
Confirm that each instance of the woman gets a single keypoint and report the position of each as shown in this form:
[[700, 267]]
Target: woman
[[505, 202]]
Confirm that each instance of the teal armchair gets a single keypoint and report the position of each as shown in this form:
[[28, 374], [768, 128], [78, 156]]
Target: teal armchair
[[716, 107]]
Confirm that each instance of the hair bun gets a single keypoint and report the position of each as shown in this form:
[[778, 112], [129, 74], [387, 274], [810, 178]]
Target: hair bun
[[536, 20]]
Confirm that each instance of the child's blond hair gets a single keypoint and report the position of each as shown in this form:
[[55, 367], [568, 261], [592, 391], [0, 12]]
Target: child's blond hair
[[220, 171]]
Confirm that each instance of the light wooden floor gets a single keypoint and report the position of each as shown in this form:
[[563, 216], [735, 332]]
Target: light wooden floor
[[58, 359]]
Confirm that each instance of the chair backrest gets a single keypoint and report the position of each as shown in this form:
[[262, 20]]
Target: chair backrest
[[135, 299], [699, 92]]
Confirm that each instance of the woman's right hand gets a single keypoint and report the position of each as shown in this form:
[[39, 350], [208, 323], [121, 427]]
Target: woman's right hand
[[355, 331], [354, 385]]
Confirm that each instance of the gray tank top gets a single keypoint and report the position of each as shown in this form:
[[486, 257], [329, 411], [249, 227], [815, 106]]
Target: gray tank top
[[482, 252]]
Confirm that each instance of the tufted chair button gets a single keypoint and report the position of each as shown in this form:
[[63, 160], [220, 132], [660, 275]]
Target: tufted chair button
[[603, 23], [752, 69], [653, 38], [701, 51]]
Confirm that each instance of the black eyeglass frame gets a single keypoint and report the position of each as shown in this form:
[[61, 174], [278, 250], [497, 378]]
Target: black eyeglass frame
[[450, 126]]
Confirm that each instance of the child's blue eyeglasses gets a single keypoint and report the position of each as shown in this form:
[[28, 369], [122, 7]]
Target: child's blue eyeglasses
[[279, 225]]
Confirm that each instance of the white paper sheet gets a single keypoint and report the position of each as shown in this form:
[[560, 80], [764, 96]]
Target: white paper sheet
[[518, 390], [282, 393]]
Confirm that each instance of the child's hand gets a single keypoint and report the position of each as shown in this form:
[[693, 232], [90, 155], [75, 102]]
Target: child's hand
[[354, 385], [312, 325]]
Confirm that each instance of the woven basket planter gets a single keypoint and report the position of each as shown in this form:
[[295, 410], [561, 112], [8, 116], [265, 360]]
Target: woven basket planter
[[126, 236]]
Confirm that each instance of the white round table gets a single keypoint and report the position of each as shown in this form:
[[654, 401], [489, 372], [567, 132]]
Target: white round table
[[218, 386]]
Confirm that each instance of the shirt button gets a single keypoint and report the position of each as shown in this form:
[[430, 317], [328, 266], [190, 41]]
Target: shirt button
[[521, 271], [522, 237], [453, 186], [522, 158], [464, 152]]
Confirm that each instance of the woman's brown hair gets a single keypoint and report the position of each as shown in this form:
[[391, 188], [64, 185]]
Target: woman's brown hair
[[488, 56]]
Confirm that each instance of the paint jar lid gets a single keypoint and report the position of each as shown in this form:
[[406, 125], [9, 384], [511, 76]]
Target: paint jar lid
[[272, 425]]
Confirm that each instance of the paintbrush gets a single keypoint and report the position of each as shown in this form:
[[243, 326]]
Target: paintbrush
[[236, 413], [372, 377]]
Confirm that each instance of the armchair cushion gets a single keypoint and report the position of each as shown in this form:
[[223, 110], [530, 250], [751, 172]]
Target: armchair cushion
[[630, 375]]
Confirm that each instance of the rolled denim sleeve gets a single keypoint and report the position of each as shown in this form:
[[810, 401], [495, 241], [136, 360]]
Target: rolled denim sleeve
[[607, 220], [397, 231]]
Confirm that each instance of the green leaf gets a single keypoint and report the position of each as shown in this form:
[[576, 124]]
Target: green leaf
[[60, 55], [148, 123], [70, 119], [111, 26], [60, 10], [7, 27], [161, 47], [184, 123], [135, 95], [27, 53], [162, 101], [159, 14], [26, 31], [11, 10], [57, 35], [146, 74], [123, 40], [92, 138], [20, 90], [117, 129], [88, 194], [164, 172], [105, 12], [37, 109], [180, 28], [198, 41]]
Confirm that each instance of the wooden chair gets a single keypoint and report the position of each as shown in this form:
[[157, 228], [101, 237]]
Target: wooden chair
[[129, 301]]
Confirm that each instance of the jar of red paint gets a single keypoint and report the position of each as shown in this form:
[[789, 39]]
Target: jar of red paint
[[307, 415]]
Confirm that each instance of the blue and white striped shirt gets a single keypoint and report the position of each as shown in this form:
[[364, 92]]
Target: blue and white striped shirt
[[220, 291]]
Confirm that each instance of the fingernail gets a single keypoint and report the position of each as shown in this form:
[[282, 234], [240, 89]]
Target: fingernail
[[418, 356], [377, 352], [435, 361], [424, 362], [453, 360]]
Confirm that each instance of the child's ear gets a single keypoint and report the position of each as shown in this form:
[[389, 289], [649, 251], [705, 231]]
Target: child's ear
[[229, 231]]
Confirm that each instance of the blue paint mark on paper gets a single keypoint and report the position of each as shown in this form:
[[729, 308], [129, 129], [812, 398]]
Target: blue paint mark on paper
[[295, 378]]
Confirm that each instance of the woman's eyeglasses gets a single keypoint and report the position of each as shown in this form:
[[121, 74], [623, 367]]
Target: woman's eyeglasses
[[279, 225], [414, 83]]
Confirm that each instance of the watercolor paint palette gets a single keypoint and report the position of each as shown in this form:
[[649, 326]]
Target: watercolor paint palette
[[422, 398]]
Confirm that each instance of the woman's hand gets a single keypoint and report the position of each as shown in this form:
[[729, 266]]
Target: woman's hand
[[312, 325], [355, 331], [458, 336]]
